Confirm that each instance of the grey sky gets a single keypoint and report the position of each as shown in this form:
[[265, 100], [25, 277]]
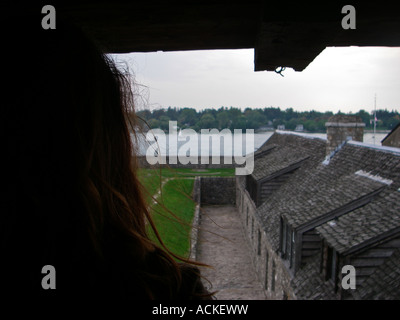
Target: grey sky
[[344, 79]]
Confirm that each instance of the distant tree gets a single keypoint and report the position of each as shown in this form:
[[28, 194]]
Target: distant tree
[[365, 117], [153, 123], [320, 125], [187, 117], [239, 123], [158, 113], [207, 121], [310, 125], [290, 114], [172, 113], [272, 114], [164, 123], [144, 114], [291, 124], [254, 119], [224, 120]]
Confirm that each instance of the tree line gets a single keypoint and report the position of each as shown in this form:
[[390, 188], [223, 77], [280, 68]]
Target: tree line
[[258, 119]]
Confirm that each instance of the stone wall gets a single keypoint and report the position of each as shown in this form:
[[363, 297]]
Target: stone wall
[[269, 266], [218, 190], [196, 219], [341, 128]]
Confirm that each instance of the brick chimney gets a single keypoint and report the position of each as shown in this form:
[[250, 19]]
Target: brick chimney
[[342, 128]]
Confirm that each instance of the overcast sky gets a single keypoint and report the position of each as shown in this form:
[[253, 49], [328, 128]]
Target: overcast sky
[[344, 79]]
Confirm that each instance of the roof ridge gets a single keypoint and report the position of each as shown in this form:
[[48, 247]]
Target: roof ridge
[[375, 177], [392, 150], [300, 134]]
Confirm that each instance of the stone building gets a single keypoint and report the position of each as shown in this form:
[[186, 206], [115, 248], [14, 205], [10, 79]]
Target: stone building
[[308, 211], [341, 128]]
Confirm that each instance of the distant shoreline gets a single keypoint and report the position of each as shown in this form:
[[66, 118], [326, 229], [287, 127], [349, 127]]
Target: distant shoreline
[[377, 131]]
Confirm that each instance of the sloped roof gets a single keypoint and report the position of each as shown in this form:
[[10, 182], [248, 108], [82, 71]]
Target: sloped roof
[[326, 193], [314, 149], [384, 283], [308, 283], [276, 162], [376, 219], [316, 189], [391, 132]]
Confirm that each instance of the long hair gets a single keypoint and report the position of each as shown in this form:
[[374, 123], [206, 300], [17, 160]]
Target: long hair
[[73, 199]]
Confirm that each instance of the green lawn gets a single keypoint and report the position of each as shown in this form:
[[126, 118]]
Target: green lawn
[[174, 210], [185, 172], [151, 180], [173, 215]]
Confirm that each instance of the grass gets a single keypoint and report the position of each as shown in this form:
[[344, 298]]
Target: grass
[[151, 180], [173, 212], [151, 177], [173, 215], [223, 172]]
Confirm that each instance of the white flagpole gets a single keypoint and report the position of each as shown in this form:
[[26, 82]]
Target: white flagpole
[[375, 120]]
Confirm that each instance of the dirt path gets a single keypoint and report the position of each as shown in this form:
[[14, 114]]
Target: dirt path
[[223, 246]]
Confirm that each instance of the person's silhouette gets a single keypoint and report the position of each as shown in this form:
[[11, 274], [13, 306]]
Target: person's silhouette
[[71, 198]]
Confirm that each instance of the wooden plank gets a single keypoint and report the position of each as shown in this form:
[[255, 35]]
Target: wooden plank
[[364, 271], [311, 232], [366, 262], [308, 253], [307, 237], [395, 243], [376, 253], [311, 245]]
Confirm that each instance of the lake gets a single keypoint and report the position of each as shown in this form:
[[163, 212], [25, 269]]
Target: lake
[[196, 144]]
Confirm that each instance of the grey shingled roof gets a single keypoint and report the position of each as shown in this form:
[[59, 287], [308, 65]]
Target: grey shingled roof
[[326, 193], [364, 224], [304, 146], [315, 189], [297, 197], [276, 160], [379, 217], [308, 283], [384, 283]]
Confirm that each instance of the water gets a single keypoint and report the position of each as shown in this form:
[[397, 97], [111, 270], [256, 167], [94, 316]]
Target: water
[[193, 145]]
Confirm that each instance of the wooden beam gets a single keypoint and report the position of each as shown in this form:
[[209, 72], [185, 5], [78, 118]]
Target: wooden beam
[[291, 44]]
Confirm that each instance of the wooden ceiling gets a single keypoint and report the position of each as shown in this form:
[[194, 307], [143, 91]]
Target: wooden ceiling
[[283, 34]]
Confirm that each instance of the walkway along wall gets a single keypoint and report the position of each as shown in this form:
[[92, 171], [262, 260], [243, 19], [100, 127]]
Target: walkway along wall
[[210, 191], [231, 191]]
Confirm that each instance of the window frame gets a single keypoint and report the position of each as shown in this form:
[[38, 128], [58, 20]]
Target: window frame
[[332, 259]]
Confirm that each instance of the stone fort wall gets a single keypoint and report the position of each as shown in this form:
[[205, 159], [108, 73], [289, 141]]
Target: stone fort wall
[[269, 267]]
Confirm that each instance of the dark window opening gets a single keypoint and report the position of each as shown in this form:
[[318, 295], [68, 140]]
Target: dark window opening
[[273, 277], [331, 265], [287, 242], [283, 239]]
